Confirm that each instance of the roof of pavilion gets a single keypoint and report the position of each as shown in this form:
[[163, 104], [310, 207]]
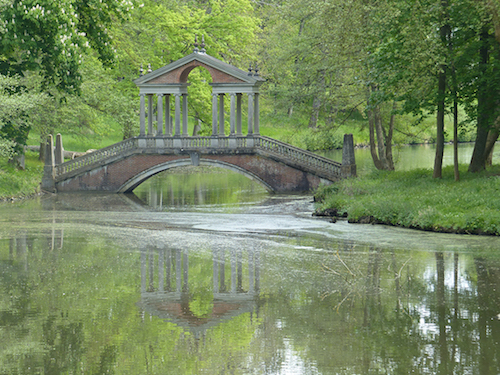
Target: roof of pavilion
[[176, 73]]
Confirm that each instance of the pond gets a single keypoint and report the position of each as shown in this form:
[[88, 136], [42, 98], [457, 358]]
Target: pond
[[203, 272], [413, 156]]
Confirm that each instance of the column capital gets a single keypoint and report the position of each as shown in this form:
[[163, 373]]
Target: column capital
[[160, 95]]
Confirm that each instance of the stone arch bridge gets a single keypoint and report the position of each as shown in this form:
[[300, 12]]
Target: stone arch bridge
[[164, 142], [123, 166]]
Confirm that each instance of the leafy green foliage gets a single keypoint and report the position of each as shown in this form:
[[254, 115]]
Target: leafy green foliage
[[50, 37], [17, 103]]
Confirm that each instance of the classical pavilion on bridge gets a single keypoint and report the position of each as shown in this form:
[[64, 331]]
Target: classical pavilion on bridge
[[165, 144], [171, 81]]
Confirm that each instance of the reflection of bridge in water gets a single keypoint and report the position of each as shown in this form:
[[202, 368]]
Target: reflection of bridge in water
[[165, 289]]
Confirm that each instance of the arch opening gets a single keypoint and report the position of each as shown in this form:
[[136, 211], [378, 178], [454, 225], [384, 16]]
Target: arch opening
[[199, 103], [212, 182]]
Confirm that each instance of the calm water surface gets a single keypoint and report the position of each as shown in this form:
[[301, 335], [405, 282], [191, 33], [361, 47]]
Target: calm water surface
[[205, 273], [415, 156]]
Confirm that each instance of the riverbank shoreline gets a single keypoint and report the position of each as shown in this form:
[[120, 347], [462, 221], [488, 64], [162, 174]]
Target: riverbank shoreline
[[414, 200], [374, 221]]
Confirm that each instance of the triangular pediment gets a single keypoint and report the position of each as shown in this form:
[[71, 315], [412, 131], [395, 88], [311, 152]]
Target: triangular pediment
[[177, 72]]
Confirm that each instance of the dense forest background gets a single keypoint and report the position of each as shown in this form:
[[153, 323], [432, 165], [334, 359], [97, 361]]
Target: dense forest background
[[389, 71]]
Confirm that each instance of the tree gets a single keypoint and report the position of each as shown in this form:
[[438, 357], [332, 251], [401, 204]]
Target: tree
[[17, 103], [49, 39]]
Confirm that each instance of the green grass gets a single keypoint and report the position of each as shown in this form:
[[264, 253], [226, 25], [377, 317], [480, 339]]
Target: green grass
[[16, 183], [83, 140], [414, 199]]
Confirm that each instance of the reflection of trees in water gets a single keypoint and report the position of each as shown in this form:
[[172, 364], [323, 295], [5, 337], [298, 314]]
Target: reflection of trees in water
[[197, 186], [416, 323]]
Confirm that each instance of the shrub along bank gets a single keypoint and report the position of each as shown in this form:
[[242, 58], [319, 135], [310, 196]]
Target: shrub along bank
[[15, 184], [413, 199]]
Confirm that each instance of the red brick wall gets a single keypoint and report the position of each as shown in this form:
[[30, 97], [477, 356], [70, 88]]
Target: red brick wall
[[180, 75]]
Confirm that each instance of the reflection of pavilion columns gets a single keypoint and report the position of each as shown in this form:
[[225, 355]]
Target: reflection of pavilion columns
[[236, 269], [174, 265]]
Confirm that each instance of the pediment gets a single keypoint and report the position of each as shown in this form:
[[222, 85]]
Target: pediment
[[177, 72]]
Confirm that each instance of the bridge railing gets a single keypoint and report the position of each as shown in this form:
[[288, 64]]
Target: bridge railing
[[280, 149], [298, 155], [96, 156]]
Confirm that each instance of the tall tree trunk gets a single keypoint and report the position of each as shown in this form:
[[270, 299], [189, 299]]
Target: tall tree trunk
[[380, 137], [444, 32], [373, 147], [478, 160], [313, 121], [456, 172], [493, 135], [388, 140]]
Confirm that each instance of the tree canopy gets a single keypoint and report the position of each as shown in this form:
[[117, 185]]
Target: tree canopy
[[383, 67]]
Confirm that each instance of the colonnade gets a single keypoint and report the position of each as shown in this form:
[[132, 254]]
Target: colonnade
[[179, 126], [172, 271]]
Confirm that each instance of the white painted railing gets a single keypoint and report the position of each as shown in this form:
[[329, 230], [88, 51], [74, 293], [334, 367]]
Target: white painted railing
[[281, 150]]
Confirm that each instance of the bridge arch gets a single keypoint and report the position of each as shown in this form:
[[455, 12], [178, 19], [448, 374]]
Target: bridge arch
[[138, 179]]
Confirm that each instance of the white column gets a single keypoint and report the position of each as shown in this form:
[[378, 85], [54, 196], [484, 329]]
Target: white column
[[150, 114], [185, 115], [214, 114], [168, 123], [256, 124], [143, 116], [250, 113], [221, 115], [232, 118], [238, 114], [159, 113], [177, 115]]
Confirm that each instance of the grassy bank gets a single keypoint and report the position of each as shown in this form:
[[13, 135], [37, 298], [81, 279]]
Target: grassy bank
[[413, 199], [16, 183]]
